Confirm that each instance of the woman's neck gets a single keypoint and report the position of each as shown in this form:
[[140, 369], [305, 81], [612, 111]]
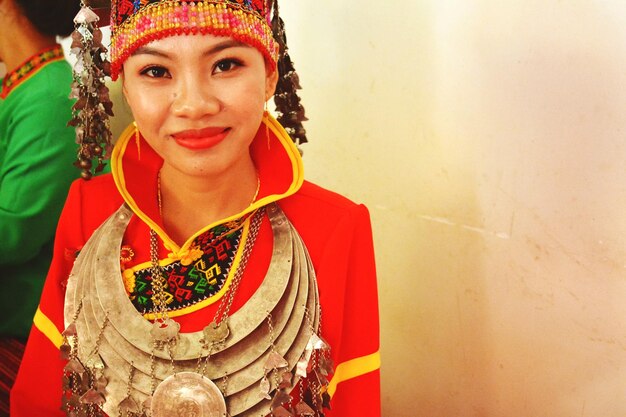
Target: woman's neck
[[190, 203], [19, 40]]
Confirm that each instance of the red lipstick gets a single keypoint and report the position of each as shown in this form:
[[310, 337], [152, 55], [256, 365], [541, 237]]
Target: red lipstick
[[200, 138]]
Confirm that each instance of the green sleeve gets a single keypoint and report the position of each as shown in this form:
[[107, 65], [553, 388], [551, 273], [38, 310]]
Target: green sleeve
[[36, 172]]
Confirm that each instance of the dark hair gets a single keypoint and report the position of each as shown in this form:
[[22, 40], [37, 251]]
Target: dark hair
[[51, 17]]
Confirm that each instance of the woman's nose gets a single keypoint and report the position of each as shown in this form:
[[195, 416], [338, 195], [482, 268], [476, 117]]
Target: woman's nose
[[194, 98]]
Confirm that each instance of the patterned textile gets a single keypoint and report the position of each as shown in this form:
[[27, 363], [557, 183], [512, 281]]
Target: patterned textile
[[11, 351], [194, 280], [123, 9], [29, 68], [135, 23]]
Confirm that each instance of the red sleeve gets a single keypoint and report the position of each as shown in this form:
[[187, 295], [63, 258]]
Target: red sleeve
[[37, 389], [352, 320]]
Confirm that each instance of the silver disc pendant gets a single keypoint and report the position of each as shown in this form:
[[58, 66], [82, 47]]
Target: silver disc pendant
[[188, 394]]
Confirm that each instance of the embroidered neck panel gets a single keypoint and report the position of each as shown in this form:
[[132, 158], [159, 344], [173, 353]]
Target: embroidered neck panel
[[195, 276]]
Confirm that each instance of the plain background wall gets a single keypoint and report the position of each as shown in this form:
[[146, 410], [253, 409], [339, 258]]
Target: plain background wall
[[487, 139]]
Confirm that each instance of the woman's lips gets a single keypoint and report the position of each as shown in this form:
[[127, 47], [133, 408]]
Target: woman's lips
[[201, 138]]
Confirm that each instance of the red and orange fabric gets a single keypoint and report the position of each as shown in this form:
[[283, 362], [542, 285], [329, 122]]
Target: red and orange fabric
[[336, 231]]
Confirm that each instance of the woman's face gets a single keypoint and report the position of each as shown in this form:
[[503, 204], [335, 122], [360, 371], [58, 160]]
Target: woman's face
[[198, 100]]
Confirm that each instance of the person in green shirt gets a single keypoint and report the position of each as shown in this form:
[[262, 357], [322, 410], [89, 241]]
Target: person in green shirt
[[36, 153]]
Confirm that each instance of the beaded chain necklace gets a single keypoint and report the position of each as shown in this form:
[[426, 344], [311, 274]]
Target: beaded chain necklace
[[218, 329], [165, 330]]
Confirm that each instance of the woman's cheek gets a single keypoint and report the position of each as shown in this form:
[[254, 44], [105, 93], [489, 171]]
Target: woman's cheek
[[147, 105]]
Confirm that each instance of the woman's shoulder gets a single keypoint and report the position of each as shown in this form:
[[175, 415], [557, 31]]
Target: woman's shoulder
[[326, 220], [311, 193], [52, 80], [45, 93], [88, 204], [319, 204], [99, 192]]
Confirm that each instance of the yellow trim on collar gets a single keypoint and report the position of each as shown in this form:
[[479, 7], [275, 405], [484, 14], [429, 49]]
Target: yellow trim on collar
[[353, 369], [269, 121], [47, 327]]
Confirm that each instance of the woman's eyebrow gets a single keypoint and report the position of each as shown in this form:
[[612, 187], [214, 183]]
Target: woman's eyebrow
[[230, 43], [146, 50]]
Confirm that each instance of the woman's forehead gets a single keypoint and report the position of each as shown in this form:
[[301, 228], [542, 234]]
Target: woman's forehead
[[199, 44]]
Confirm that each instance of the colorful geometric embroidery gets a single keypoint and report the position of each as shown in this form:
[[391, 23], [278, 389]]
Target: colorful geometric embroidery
[[123, 9], [29, 68], [191, 282], [135, 23]]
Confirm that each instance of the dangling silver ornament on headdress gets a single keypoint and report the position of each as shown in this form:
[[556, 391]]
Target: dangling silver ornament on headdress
[[290, 111], [93, 106]]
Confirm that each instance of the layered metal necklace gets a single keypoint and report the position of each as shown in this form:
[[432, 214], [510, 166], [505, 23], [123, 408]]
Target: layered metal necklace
[[248, 363]]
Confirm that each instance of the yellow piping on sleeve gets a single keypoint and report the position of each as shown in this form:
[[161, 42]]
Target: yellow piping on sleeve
[[352, 369], [45, 326]]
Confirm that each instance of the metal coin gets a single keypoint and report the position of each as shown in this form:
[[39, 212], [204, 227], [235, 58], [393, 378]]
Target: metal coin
[[188, 394]]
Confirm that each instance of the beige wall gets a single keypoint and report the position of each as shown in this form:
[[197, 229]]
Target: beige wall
[[487, 139]]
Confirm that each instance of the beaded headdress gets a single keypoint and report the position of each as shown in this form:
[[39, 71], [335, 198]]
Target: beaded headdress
[[135, 23]]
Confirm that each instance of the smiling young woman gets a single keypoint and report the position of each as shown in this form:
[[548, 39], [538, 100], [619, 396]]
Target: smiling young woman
[[198, 101], [211, 277]]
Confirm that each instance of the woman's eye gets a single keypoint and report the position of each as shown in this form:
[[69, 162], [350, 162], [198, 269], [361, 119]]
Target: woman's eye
[[226, 65], [155, 72]]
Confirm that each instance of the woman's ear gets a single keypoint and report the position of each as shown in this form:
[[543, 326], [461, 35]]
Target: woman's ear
[[121, 80], [271, 79]]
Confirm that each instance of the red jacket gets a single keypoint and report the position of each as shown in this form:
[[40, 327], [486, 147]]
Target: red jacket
[[336, 231]]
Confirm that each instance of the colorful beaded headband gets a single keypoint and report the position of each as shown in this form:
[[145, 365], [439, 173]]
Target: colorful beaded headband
[[135, 23]]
